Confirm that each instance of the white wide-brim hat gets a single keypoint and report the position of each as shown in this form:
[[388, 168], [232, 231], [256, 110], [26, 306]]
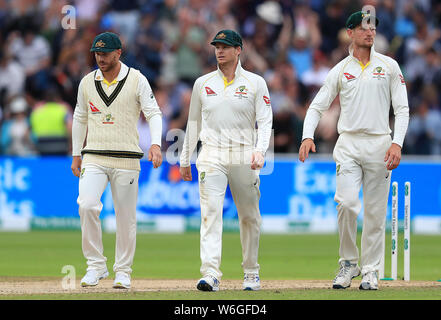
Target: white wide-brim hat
[[270, 11], [18, 105]]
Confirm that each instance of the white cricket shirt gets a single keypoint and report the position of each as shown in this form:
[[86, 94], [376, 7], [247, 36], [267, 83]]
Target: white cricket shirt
[[366, 94], [224, 115]]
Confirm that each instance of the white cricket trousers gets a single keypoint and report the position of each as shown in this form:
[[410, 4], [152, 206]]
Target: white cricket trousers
[[218, 168], [124, 187], [360, 162]]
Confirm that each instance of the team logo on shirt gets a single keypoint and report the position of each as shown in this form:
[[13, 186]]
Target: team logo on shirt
[[402, 79], [267, 100], [241, 92], [379, 73], [108, 119], [349, 76], [93, 109], [210, 92]]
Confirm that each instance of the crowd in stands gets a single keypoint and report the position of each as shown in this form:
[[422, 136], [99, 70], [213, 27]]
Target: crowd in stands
[[291, 43]]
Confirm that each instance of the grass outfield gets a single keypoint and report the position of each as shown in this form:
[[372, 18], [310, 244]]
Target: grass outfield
[[42, 255]]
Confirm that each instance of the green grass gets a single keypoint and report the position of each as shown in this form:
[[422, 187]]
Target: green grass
[[176, 256]]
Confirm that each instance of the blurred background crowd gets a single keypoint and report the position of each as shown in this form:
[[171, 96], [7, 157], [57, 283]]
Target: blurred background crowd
[[291, 43]]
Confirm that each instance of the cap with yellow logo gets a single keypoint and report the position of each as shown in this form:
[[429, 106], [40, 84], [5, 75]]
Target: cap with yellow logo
[[356, 18], [228, 37], [106, 42]]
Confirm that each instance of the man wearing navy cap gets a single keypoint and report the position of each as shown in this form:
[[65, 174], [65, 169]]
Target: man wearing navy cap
[[225, 106], [368, 83], [110, 100]]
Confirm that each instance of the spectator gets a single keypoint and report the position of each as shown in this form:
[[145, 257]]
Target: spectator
[[12, 78], [124, 17], [188, 39], [148, 45], [15, 132], [51, 125], [167, 40], [332, 19], [283, 129], [300, 54], [424, 134], [315, 76], [32, 51]]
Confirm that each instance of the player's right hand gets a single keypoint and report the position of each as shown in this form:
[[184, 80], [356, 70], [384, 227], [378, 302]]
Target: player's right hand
[[76, 166], [306, 146], [185, 173]]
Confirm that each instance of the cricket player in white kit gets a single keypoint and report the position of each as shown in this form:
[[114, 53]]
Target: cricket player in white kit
[[225, 106], [109, 104], [367, 83]]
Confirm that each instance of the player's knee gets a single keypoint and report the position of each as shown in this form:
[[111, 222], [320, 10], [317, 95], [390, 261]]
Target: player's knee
[[251, 220], [349, 203], [89, 205], [211, 208]]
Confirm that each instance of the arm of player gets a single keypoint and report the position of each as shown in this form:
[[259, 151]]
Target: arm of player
[[320, 104], [153, 115], [264, 119], [192, 131], [401, 111], [79, 130]]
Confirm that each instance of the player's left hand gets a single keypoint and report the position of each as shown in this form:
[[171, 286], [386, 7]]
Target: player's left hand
[[257, 160], [393, 156], [155, 155]]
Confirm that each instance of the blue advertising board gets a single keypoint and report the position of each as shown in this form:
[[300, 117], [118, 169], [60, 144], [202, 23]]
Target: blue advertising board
[[42, 192]]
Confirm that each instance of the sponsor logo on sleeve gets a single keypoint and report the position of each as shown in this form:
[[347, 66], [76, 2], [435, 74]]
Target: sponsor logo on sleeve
[[267, 100], [402, 79]]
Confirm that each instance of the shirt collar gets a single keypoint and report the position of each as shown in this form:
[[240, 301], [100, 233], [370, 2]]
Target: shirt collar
[[121, 75], [351, 52], [236, 73]]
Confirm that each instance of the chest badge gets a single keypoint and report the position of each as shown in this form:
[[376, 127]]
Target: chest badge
[[108, 119], [379, 73], [241, 92]]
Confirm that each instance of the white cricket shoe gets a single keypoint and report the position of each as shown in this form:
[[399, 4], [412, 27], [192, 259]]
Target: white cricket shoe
[[208, 283], [251, 281], [122, 280], [347, 272], [369, 281], [93, 276]]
